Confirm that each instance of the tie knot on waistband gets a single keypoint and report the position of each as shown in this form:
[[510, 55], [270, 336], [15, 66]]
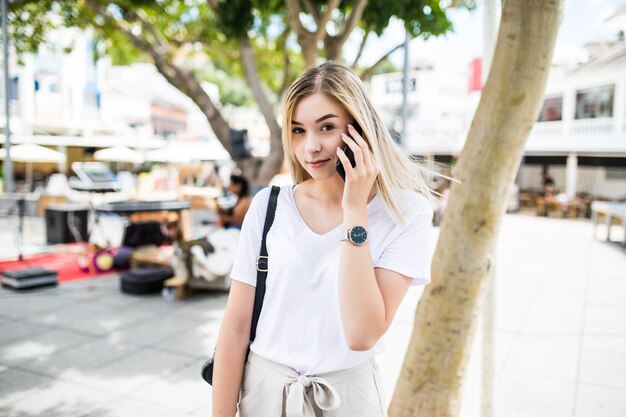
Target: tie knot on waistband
[[299, 404], [305, 381]]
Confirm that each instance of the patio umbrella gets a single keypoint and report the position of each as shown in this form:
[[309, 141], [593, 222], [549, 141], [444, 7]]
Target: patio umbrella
[[31, 153], [119, 154], [185, 152], [168, 156]]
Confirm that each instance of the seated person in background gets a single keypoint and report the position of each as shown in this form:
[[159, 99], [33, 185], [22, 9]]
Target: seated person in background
[[231, 216]]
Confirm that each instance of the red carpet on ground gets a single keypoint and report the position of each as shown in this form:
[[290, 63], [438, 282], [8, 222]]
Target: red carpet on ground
[[66, 265]]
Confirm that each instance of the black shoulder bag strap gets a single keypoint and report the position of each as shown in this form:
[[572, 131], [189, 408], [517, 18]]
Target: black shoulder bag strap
[[262, 262], [261, 275]]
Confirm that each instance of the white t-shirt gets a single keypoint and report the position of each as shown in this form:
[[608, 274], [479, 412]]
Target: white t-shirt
[[300, 324]]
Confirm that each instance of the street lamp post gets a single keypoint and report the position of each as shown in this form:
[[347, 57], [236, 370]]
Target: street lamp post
[[405, 90], [8, 164]]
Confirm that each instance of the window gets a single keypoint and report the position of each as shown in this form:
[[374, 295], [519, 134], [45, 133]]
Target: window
[[552, 109], [395, 86], [615, 173], [595, 102], [14, 92]]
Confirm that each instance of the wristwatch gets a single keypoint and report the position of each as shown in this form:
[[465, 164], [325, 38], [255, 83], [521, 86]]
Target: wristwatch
[[358, 235]]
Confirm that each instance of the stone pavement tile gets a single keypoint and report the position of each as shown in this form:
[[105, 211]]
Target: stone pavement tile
[[205, 306], [608, 294], [39, 348], [549, 357], [85, 358], [519, 306], [101, 282], [147, 334], [556, 310], [509, 322], [558, 294], [113, 297], [537, 325], [12, 330], [59, 399], [183, 391], [522, 272], [16, 384], [127, 407], [140, 368], [503, 344], [598, 401], [19, 305], [118, 299], [606, 319], [605, 343], [197, 341], [93, 318], [605, 369], [83, 293], [529, 396]]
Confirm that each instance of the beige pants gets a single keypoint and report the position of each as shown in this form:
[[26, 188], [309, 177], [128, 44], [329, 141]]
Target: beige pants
[[273, 390]]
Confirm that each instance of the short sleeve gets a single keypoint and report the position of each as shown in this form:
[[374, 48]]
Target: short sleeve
[[409, 252], [249, 245]]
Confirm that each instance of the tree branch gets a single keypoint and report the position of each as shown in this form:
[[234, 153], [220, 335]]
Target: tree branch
[[324, 19], [350, 23], [312, 8], [361, 48], [121, 26], [368, 72], [145, 22], [14, 4], [293, 11], [248, 61]]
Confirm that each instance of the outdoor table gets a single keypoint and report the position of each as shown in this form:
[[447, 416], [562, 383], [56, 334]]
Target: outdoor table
[[131, 209], [611, 211]]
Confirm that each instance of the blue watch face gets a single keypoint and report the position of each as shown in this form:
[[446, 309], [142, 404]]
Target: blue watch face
[[358, 235]]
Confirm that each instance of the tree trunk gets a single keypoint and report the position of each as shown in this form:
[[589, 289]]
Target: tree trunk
[[188, 84], [430, 382], [333, 48], [310, 52], [271, 164]]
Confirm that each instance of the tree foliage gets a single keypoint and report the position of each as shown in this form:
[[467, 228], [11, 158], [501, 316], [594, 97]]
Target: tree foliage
[[191, 41]]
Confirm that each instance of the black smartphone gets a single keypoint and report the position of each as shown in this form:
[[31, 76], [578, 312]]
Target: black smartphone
[[346, 149]]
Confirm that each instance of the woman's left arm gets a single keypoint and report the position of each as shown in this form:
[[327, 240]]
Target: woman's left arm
[[368, 297]]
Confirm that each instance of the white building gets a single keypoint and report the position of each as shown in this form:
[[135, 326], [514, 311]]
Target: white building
[[580, 136]]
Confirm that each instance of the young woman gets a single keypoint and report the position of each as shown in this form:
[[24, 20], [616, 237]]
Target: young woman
[[342, 255]]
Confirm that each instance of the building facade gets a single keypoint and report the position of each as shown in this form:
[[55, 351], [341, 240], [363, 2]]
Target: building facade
[[579, 137]]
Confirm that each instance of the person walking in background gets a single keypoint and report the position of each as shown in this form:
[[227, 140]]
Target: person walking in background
[[342, 255]]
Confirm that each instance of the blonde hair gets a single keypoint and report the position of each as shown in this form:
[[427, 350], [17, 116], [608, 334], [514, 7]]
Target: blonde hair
[[397, 171]]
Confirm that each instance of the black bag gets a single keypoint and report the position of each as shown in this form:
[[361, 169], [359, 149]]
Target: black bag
[[144, 280], [261, 266], [144, 233]]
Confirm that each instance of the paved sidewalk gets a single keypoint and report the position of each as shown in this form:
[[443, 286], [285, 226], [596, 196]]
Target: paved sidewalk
[[85, 349]]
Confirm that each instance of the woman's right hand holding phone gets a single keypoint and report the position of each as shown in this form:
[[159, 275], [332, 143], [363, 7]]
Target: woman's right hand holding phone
[[360, 179]]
